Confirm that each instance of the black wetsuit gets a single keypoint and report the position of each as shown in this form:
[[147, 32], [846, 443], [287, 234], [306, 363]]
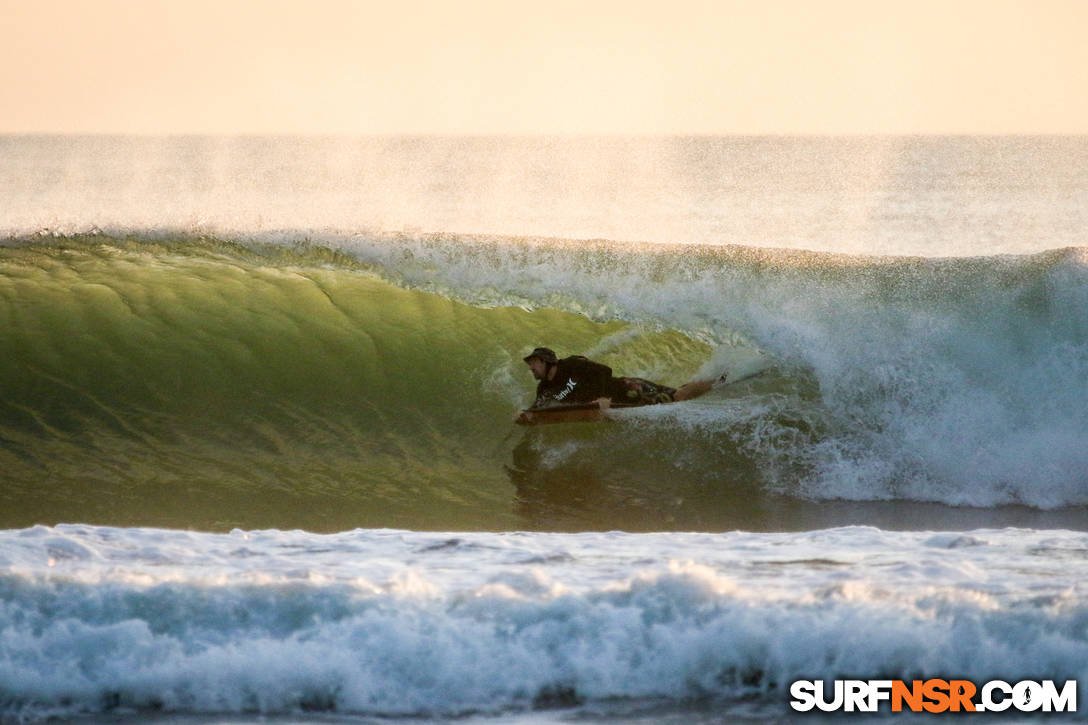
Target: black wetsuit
[[579, 380]]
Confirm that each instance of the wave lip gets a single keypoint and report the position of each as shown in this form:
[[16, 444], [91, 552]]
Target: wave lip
[[385, 623]]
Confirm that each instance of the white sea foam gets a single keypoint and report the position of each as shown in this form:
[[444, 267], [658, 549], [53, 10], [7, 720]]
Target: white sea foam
[[394, 622]]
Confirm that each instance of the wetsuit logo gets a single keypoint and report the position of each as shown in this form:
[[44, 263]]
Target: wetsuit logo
[[567, 390]]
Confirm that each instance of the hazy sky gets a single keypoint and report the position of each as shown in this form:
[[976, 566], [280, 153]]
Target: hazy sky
[[477, 66]]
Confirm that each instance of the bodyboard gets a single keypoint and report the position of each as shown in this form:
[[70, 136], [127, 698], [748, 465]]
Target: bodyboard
[[575, 413]]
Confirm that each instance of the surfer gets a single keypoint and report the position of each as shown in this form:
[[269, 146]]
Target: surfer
[[578, 380]]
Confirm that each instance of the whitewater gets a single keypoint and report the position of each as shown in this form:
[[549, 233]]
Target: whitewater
[[384, 623], [257, 456]]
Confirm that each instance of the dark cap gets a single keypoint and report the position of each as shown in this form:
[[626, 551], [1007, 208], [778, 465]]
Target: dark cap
[[542, 353]]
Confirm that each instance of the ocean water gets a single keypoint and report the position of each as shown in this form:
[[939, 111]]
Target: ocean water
[[257, 460]]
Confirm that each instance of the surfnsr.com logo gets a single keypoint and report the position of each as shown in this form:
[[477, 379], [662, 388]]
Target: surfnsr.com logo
[[934, 695]]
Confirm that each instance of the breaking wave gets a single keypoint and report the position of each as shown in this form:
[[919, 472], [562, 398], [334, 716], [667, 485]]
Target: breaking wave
[[332, 381]]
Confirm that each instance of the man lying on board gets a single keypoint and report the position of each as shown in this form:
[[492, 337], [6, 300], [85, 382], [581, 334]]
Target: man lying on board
[[578, 380]]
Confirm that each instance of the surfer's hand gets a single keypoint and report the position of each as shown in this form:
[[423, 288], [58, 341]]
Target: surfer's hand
[[603, 403], [524, 418]]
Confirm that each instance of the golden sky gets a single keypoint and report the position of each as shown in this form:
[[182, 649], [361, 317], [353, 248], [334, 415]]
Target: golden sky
[[505, 66]]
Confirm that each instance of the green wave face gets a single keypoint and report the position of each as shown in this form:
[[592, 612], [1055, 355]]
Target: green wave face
[[372, 382], [201, 384]]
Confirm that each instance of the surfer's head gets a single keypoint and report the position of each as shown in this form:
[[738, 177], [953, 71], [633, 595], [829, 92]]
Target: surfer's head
[[539, 360]]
